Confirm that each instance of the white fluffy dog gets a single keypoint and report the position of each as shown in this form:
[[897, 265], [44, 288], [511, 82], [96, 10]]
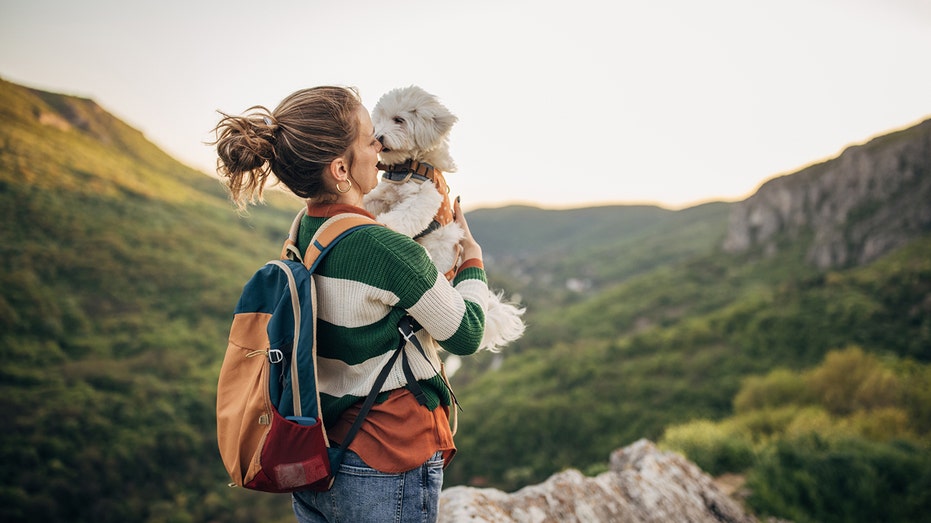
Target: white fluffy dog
[[413, 126]]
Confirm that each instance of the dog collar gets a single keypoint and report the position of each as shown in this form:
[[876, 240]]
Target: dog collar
[[411, 169]]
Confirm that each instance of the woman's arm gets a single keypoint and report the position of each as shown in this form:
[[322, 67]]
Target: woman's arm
[[452, 313]]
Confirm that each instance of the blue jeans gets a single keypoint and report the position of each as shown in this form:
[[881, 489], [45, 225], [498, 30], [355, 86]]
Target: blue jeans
[[361, 494]]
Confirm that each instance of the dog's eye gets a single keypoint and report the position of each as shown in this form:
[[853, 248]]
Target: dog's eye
[[398, 120]]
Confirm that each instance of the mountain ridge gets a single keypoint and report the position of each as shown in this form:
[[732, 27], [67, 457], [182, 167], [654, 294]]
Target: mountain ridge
[[870, 199]]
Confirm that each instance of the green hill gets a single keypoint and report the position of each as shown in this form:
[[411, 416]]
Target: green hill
[[121, 267]]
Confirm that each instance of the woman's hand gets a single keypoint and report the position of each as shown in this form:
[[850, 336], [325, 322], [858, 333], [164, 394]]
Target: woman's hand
[[468, 246]]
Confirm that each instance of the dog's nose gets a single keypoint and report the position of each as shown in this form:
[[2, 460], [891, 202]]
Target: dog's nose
[[381, 140]]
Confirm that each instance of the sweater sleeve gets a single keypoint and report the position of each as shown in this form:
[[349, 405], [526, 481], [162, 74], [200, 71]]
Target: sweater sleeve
[[452, 313]]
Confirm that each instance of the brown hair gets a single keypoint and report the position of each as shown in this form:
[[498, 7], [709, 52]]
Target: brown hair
[[295, 142]]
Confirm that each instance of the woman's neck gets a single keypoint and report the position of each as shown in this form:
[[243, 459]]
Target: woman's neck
[[352, 197], [331, 208]]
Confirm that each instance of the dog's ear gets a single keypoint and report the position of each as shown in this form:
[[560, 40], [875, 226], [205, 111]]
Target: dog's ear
[[444, 122]]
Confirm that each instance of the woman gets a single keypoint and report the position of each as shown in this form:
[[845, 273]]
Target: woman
[[320, 143]]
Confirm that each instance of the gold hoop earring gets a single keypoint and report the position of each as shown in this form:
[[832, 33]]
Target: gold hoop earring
[[349, 188]]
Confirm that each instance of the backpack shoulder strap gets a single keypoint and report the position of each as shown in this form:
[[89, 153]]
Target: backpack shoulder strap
[[325, 238], [332, 230], [290, 251]]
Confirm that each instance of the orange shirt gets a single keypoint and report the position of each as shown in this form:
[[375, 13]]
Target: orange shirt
[[399, 434]]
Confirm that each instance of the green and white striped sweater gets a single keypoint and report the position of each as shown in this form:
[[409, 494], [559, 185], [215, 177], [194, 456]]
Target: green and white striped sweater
[[365, 285]]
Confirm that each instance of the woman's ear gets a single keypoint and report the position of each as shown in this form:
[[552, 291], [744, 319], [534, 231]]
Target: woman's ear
[[338, 169]]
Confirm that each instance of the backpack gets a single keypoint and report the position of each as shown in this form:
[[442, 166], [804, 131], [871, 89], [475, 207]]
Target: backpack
[[270, 431]]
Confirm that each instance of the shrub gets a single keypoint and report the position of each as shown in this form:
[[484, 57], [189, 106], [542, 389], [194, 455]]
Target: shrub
[[715, 447], [812, 478], [884, 424], [851, 380], [778, 388]]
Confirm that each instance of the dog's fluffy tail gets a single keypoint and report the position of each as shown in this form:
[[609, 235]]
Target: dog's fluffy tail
[[503, 323]]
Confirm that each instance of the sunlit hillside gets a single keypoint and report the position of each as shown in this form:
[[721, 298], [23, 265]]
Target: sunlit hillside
[[120, 270]]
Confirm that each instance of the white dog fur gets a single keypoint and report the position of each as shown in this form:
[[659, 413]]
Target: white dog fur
[[412, 124]]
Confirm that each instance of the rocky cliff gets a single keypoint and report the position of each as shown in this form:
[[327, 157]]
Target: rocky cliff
[[849, 210], [642, 485]]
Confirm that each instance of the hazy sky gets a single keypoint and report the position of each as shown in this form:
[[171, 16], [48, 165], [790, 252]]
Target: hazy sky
[[560, 104]]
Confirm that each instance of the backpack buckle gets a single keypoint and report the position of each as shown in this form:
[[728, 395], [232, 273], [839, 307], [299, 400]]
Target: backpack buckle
[[406, 334]]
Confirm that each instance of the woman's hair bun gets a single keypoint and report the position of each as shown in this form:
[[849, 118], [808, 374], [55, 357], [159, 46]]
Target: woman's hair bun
[[246, 150], [246, 143], [305, 133]]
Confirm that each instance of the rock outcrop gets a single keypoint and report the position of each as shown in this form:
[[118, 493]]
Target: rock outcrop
[[850, 210], [642, 485]]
